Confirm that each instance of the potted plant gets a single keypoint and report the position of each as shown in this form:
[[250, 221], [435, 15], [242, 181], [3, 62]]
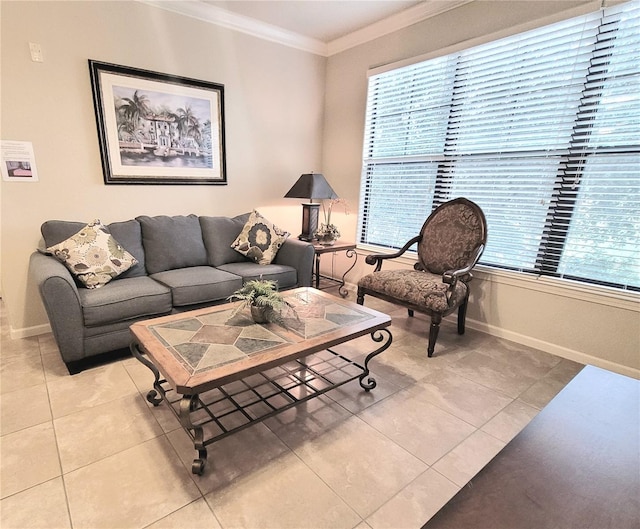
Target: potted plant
[[263, 299], [328, 233]]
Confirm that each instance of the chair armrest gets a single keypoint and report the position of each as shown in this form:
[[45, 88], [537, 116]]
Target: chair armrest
[[298, 254], [377, 258], [451, 277]]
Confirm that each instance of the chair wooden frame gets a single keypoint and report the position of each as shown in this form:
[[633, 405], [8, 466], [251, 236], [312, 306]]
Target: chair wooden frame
[[450, 277]]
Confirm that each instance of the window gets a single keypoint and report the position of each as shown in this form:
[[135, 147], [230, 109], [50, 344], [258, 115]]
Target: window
[[541, 130]]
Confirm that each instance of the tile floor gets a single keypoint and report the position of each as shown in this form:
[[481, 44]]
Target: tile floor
[[88, 451]]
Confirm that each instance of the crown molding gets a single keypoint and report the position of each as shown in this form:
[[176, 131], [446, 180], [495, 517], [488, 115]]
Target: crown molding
[[243, 24], [262, 30], [401, 20]]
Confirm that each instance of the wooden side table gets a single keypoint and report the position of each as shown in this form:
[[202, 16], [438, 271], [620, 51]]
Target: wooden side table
[[340, 246]]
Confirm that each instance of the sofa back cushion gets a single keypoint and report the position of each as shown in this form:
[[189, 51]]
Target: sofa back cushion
[[127, 233], [56, 231], [218, 234], [172, 242]]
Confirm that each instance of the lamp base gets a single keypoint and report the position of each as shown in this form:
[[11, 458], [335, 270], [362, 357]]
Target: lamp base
[[310, 214]]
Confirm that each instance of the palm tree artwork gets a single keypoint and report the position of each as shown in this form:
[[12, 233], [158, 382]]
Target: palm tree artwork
[[161, 129]]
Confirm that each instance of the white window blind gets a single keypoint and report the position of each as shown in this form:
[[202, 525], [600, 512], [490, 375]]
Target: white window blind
[[541, 129]]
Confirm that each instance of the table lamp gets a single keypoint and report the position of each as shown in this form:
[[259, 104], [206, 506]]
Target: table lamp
[[311, 186]]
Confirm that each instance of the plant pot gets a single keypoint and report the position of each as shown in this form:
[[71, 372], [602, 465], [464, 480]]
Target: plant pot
[[259, 314], [327, 240], [327, 234]]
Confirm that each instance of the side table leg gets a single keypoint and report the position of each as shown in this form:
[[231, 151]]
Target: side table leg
[[152, 396], [341, 289], [376, 336], [187, 405], [317, 274]]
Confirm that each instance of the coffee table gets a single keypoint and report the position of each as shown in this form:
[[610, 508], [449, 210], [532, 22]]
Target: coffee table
[[221, 373]]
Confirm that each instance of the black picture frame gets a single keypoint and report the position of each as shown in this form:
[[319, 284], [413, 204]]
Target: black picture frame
[[157, 128]]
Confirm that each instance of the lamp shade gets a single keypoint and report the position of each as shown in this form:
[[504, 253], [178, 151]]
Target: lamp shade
[[311, 185]]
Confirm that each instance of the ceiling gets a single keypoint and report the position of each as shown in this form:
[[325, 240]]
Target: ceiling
[[324, 27], [321, 20]]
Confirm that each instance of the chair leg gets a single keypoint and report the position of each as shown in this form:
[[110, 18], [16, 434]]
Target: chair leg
[[433, 333], [360, 298], [462, 313], [410, 312]]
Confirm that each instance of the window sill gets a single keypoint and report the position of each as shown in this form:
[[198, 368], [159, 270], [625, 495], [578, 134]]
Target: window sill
[[562, 287]]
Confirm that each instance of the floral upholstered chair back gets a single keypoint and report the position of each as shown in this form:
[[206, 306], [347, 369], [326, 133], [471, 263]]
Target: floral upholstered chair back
[[450, 237]]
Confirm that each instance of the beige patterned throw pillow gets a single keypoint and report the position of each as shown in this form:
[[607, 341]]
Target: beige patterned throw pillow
[[93, 255], [259, 239]]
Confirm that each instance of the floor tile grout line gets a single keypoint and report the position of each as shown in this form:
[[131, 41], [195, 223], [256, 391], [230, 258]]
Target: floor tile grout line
[[294, 452], [162, 433], [290, 448], [450, 412], [297, 455], [84, 465], [55, 436], [176, 510], [352, 416], [429, 467], [406, 450], [188, 470]]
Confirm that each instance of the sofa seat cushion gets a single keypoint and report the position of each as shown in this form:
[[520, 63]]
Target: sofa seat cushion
[[198, 284], [124, 299], [286, 276]]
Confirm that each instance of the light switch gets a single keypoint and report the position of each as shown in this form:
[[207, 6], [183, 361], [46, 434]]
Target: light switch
[[36, 52]]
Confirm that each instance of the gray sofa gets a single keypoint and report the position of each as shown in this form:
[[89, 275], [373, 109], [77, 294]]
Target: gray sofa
[[184, 262]]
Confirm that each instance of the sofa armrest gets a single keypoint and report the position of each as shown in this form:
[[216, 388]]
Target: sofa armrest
[[60, 298], [298, 254]]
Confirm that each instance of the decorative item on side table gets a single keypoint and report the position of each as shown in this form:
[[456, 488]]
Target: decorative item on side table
[[263, 299], [327, 234], [311, 186]]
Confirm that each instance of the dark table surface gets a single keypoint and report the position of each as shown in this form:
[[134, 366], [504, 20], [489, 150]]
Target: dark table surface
[[576, 465]]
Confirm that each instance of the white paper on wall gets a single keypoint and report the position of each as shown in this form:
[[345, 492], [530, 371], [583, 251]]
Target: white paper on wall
[[17, 161]]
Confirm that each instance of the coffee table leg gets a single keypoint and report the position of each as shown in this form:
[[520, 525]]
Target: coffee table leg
[[187, 405], [376, 336], [152, 396]]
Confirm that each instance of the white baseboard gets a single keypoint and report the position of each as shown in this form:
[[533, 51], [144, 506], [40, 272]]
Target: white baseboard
[[28, 332], [558, 350]]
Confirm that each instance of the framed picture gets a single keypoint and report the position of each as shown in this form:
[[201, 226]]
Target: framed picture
[[157, 128]]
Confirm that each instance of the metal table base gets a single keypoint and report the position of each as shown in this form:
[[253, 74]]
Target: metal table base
[[219, 412]]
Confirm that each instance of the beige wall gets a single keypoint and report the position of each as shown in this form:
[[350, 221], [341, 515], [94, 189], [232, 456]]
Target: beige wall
[[574, 323], [284, 115], [274, 112]]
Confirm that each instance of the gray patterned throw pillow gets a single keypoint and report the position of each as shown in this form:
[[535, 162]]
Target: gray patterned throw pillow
[[93, 256], [259, 239]]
